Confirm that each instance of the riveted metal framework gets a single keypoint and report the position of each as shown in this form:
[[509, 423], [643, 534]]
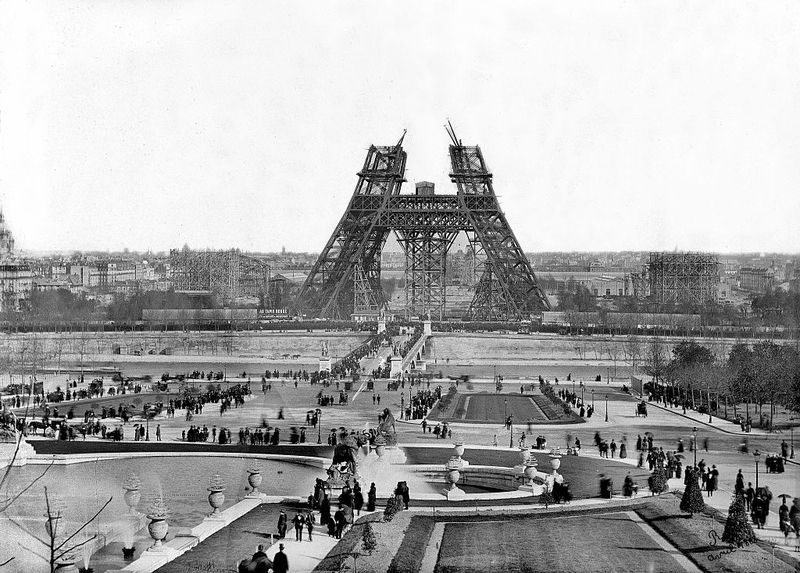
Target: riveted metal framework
[[364, 299], [426, 226], [683, 277], [426, 264], [228, 274]]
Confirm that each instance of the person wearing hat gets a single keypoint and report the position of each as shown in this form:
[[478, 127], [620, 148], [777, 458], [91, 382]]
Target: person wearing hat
[[280, 563], [282, 523], [299, 521], [259, 554]]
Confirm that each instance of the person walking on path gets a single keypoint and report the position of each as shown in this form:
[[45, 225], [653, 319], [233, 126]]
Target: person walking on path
[[340, 520], [259, 554], [282, 524], [714, 479], [358, 498], [372, 497], [749, 495], [280, 564], [299, 522], [794, 519], [310, 525], [325, 510], [759, 517]]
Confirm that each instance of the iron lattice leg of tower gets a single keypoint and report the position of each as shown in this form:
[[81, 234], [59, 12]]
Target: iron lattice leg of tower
[[358, 239], [364, 298], [426, 266], [508, 288]]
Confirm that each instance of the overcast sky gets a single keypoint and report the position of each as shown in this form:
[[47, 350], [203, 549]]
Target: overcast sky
[[607, 125]]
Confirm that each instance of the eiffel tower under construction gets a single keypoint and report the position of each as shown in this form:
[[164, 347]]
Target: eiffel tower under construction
[[346, 277]]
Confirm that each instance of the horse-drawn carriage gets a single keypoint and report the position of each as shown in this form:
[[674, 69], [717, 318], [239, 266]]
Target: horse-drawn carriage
[[641, 409]]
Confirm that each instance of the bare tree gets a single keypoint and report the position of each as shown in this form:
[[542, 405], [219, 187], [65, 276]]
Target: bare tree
[[58, 543], [632, 350], [655, 360]]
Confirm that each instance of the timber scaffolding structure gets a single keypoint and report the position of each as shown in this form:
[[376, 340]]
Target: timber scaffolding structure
[[345, 280], [227, 274], [678, 277]]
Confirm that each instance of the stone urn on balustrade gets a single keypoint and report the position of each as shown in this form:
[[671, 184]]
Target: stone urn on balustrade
[[216, 497], [452, 474], [157, 513], [380, 446], [555, 459], [133, 496], [254, 479]]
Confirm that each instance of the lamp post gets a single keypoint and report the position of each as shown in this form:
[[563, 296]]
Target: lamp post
[[791, 428], [511, 434], [505, 409], [147, 424], [606, 407], [756, 455], [708, 394], [582, 390], [694, 445], [319, 425], [592, 398]]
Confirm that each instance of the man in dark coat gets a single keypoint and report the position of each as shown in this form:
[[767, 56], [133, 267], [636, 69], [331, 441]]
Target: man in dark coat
[[282, 524], [739, 482], [299, 522], [280, 563], [346, 497], [358, 498], [340, 520], [758, 506], [259, 554], [372, 497], [325, 510]]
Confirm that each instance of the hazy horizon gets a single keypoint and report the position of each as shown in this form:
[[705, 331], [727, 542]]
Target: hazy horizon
[[150, 125]]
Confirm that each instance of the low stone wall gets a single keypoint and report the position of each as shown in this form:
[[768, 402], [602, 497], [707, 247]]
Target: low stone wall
[[489, 477]]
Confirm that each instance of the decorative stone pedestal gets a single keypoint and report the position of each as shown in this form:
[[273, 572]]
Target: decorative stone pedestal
[[324, 364], [454, 493], [427, 330], [452, 475], [381, 325], [254, 479], [397, 367]]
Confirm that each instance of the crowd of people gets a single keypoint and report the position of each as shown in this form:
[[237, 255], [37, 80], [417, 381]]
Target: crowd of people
[[420, 404]]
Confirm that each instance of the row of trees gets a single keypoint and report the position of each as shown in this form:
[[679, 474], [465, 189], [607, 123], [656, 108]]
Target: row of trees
[[763, 374]]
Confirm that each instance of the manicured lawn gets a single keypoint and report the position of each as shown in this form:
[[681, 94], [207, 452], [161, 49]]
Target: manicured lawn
[[496, 407], [692, 535], [489, 408], [408, 558], [607, 542]]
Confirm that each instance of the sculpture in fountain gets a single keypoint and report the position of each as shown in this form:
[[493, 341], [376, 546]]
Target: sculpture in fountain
[[344, 466], [386, 427]]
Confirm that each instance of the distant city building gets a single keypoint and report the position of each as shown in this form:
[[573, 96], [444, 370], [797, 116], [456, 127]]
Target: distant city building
[[16, 284], [6, 239], [603, 284], [794, 282], [756, 279]]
